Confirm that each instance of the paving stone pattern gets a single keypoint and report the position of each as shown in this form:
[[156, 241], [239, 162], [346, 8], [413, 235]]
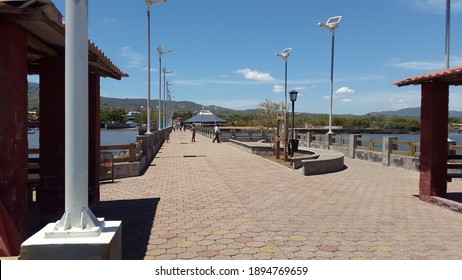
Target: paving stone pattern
[[204, 200]]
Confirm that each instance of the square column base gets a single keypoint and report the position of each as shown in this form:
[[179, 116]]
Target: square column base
[[106, 246]]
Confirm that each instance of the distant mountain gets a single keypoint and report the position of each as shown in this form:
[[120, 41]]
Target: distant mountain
[[412, 112], [136, 104], [130, 104], [406, 112]]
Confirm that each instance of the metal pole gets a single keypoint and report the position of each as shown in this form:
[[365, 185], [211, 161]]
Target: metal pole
[[77, 215], [331, 81], [148, 105], [160, 91], [448, 30], [285, 87], [293, 121], [164, 113]]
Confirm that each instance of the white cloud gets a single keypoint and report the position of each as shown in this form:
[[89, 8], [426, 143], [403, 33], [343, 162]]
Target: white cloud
[[133, 58], [436, 6], [419, 65], [344, 90], [346, 100], [278, 89], [254, 75], [424, 65]]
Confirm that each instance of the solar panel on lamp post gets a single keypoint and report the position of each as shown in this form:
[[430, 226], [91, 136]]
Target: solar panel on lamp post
[[331, 25]]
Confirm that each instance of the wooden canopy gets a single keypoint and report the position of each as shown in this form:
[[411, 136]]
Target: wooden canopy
[[45, 36]]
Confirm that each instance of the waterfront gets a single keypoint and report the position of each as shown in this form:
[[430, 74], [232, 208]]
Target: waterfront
[[108, 137], [126, 136]]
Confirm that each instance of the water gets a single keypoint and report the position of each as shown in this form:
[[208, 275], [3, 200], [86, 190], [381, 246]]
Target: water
[[457, 137], [108, 137], [123, 137]]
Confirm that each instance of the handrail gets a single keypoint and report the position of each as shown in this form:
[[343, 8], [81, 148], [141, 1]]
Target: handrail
[[413, 145], [399, 147], [372, 144], [135, 151]]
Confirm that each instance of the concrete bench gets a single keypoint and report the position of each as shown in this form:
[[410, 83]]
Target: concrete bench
[[325, 163], [297, 161]]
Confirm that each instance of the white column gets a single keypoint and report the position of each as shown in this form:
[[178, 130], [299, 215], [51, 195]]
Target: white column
[[77, 215]]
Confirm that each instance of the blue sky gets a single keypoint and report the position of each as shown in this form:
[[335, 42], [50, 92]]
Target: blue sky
[[223, 52]]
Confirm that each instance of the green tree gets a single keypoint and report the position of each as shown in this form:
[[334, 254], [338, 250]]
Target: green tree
[[269, 111], [113, 116]]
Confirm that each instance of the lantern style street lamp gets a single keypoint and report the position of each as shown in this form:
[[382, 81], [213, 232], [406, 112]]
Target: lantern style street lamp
[[293, 141]]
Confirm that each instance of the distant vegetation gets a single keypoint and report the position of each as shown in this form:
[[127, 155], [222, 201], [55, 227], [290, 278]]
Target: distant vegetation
[[114, 110]]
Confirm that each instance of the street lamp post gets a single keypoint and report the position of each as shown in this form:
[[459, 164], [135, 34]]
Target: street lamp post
[[149, 3], [448, 31], [170, 109], [285, 55], [164, 113], [160, 52], [293, 141], [331, 25]]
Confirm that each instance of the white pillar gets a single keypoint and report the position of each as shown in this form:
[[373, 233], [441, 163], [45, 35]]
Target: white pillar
[[77, 216], [79, 234]]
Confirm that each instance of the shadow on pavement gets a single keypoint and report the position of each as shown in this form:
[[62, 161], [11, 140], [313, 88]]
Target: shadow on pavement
[[455, 196], [137, 218]]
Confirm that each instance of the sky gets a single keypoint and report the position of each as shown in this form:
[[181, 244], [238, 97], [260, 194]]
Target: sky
[[223, 52]]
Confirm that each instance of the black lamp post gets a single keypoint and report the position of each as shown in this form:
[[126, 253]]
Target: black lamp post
[[293, 141]]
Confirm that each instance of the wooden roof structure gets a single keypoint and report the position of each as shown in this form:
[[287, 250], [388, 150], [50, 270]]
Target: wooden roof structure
[[434, 173], [452, 76], [46, 35]]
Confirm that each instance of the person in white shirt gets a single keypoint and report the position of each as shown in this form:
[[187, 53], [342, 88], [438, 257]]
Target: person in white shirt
[[216, 130]]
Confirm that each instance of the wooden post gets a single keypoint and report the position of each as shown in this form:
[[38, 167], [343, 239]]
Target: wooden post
[[434, 144]]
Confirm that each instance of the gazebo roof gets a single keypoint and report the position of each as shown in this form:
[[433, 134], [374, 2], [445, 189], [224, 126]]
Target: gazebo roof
[[44, 25], [206, 117], [452, 76]]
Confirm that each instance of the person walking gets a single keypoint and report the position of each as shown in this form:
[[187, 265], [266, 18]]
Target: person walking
[[193, 129], [216, 130]]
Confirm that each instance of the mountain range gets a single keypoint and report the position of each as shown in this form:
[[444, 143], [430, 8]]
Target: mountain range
[[137, 104]]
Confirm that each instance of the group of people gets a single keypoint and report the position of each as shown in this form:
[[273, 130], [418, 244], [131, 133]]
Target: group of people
[[216, 131], [175, 127]]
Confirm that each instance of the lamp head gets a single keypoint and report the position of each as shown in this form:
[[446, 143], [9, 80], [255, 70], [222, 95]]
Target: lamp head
[[159, 48], [325, 26], [158, 2], [293, 95], [331, 23], [150, 2], [285, 53]]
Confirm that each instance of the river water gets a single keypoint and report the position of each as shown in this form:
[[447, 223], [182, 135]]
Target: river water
[[108, 137], [123, 136]]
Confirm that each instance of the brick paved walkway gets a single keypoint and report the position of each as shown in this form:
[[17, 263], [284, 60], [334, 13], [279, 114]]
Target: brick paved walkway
[[205, 200]]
